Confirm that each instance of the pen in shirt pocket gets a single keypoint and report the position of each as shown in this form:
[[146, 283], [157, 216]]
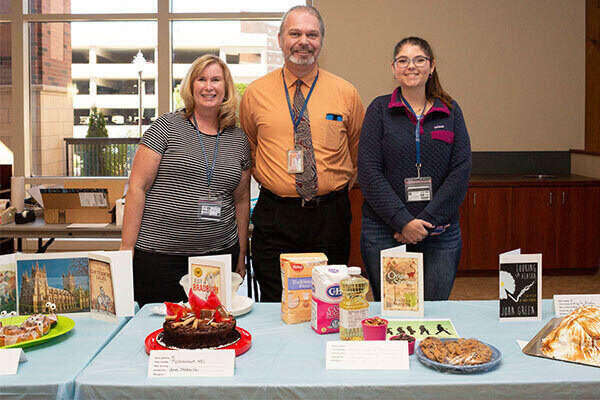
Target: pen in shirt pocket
[[334, 117]]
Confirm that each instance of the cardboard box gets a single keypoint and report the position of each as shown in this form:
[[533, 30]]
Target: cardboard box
[[296, 282], [82, 201]]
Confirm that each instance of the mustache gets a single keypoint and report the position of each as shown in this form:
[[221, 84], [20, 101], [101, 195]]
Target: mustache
[[303, 48]]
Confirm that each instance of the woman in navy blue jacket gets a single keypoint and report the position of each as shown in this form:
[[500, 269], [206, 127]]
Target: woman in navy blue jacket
[[414, 162]]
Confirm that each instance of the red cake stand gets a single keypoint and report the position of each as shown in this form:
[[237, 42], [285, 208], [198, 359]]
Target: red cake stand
[[240, 347]]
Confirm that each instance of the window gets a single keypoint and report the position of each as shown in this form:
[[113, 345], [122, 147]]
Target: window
[[6, 99], [249, 48], [91, 7], [62, 91], [181, 6], [81, 68]]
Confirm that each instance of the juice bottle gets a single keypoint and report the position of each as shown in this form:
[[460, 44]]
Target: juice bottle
[[354, 306]]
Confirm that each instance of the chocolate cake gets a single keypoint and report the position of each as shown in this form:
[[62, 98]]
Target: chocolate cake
[[215, 334], [205, 325]]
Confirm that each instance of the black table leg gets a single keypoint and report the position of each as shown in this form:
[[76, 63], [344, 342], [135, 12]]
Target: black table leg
[[43, 247]]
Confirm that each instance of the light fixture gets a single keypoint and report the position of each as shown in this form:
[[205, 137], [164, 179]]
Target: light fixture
[[139, 62]]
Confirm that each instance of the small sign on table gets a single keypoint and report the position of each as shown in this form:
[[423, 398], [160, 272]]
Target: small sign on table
[[10, 359], [565, 304], [196, 363], [367, 355]]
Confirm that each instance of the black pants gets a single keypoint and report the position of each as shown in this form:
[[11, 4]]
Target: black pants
[[282, 225], [156, 276]]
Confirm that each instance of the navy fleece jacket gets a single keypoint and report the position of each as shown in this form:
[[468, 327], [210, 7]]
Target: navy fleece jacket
[[387, 155]]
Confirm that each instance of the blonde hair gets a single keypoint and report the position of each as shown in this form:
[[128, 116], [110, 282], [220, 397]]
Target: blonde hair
[[228, 111]]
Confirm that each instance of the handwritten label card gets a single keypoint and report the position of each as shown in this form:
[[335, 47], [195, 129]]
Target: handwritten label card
[[370, 354], [10, 359], [565, 304], [196, 363]]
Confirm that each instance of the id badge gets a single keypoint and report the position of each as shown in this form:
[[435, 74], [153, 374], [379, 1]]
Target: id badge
[[295, 164], [209, 209], [418, 189]]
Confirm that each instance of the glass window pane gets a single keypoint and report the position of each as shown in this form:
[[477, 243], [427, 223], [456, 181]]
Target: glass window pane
[[181, 6], [249, 48], [74, 69], [6, 138], [91, 7]]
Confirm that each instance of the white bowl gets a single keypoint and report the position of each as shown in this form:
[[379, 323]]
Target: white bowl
[[236, 281]]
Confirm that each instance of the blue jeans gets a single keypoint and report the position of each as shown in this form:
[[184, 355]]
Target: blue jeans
[[441, 254]]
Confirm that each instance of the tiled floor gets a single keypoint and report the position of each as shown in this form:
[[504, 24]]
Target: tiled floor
[[486, 288]]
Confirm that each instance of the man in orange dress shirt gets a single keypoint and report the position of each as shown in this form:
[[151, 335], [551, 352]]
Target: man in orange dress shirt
[[303, 124]]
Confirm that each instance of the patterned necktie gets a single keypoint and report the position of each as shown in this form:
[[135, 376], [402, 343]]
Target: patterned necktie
[[306, 181]]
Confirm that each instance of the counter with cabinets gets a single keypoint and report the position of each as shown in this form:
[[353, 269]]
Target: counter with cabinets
[[556, 216]]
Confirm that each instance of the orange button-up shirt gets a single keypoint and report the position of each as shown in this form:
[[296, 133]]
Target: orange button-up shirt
[[265, 116]]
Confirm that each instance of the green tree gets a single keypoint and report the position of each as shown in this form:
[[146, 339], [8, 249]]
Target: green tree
[[96, 124], [101, 159]]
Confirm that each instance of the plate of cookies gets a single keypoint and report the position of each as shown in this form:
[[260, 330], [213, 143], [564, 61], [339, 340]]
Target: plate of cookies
[[459, 356]]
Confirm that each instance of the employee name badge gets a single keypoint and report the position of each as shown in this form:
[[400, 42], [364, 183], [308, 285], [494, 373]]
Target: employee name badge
[[209, 208], [418, 189], [295, 164]]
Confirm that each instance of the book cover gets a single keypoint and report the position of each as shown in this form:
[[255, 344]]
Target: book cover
[[520, 286], [102, 292], [401, 282]]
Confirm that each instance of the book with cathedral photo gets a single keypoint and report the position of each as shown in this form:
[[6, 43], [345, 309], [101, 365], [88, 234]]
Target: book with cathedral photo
[[62, 279], [99, 283]]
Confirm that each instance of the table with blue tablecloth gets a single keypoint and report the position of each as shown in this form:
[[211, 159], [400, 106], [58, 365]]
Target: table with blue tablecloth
[[52, 366], [288, 361]]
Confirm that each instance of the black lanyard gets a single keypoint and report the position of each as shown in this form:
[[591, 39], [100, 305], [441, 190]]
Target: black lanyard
[[296, 122]]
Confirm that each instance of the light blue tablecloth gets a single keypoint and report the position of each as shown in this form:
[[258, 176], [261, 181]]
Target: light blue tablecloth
[[288, 361], [51, 367]]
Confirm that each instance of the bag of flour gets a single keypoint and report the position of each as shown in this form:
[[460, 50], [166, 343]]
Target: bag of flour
[[296, 282], [326, 297]]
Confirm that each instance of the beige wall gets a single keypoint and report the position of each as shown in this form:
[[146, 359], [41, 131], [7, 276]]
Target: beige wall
[[586, 165], [516, 67]]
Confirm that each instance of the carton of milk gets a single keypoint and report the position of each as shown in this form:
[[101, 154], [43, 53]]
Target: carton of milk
[[326, 297], [296, 281]]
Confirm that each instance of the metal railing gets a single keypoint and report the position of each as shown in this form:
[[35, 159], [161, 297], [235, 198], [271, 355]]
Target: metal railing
[[99, 156]]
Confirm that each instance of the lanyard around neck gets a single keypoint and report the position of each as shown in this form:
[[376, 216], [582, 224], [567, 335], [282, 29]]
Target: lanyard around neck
[[295, 121], [209, 172], [417, 132]]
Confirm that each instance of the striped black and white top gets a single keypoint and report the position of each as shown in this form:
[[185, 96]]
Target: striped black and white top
[[170, 223]]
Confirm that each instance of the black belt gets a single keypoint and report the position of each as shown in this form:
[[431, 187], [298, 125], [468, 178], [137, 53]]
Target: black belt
[[300, 202]]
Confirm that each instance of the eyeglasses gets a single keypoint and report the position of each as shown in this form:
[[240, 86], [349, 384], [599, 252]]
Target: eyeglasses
[[418, 61]]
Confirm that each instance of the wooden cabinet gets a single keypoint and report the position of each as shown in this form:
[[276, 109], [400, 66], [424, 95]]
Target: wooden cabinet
[[561, 222], [489, 226], [356, 201], [577, 227], [534, 226], [558, 218]]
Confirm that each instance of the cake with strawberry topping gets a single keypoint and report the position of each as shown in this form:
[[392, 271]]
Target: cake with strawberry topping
[[205, 324]]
